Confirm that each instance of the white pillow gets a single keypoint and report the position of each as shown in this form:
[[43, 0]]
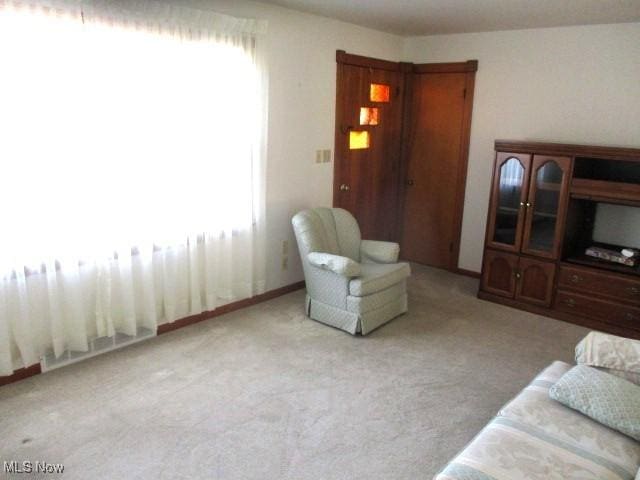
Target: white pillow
[[618, 356]]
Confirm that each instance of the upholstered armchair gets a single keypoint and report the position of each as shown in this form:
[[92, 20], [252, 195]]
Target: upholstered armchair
[[352, 284]]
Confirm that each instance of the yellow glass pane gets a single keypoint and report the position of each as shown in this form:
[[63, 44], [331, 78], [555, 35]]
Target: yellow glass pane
[[358, 139], [379, 93], [368, 116]]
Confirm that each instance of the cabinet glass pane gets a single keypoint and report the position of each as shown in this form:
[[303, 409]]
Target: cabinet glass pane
[[545, 207], [510, 189]]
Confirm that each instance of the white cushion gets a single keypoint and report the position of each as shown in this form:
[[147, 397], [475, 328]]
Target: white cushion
[[618, 356], [376, 277]]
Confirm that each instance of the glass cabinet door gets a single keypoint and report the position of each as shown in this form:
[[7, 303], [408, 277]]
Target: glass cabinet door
[[545, 204], [509, 193]]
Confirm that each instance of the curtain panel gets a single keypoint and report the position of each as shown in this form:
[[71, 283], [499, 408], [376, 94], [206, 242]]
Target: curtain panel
[[133, 139]]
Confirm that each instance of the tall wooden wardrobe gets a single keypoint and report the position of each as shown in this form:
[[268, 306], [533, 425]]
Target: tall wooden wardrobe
[[401, 148]]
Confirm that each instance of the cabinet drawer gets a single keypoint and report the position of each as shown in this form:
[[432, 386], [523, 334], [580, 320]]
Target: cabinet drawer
[[604, 310], [602, 283]]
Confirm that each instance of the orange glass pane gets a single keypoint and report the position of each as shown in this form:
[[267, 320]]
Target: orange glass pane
[[379, 93], [358, 140], [368, 116]]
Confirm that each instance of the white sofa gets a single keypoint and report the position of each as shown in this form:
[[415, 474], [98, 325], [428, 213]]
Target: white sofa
[[535, 437]]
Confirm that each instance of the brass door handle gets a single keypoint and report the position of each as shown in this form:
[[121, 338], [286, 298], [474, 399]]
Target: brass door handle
[[575, 278]]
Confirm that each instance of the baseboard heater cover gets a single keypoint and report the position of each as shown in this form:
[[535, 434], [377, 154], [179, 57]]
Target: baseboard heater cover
[[97, 346]]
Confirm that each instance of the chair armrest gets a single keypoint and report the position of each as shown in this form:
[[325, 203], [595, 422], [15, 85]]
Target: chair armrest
[[602, 350], [379, 252], [334, 263]]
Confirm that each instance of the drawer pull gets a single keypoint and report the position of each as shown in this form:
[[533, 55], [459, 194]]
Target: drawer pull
[[570, 302], [630, 316], [633, 290], [575, 278]]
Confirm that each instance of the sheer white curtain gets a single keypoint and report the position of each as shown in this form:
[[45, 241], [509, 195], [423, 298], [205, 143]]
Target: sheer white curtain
[[131, 140]]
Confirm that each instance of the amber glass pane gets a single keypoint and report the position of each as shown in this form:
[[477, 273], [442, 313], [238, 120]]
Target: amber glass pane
[[368, 116], [358, 139], [510, 190], [545, 207], [379, 93]]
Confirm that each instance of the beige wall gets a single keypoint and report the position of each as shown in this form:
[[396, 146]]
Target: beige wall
[[573, 84], [301, 52]]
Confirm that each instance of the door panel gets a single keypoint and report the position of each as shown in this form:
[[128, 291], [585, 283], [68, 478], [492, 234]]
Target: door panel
[[546, 205], [508, 199], [499, 273], [366, 179], [435, 163], [535, 281]]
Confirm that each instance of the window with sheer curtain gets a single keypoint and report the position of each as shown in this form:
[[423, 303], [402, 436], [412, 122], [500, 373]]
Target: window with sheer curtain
[[131, 187]]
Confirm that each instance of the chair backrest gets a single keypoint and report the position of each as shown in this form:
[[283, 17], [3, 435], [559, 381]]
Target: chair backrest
[[327, 230]]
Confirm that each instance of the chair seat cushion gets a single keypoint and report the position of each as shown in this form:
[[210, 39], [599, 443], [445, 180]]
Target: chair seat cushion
[[376, 277]]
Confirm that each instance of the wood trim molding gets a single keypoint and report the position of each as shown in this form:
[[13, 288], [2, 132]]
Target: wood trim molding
[[467, 273], [228, 308], [21, 374], [565, 149], [367, 62], [452, 67], [35, 369]]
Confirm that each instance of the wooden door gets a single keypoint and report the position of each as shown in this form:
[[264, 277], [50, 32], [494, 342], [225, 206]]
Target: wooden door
[[546, 205], [499, 271], [507, 206], [366, 174], [437, 136], [535, 281]]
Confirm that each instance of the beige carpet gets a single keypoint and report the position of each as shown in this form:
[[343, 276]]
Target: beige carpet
[[265, 393]]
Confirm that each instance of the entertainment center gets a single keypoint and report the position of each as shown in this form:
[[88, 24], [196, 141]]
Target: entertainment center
[[550, 205]]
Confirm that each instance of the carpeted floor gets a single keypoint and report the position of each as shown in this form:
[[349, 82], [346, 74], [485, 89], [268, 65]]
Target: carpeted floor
[[265, 393]]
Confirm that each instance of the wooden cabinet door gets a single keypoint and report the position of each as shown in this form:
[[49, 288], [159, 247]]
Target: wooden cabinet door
[[546, 206], [535, 281], [499, 273], [366, 174], [508, 199]]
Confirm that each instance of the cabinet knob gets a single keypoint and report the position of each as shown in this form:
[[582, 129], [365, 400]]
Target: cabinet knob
[[344, 187], [633, 290], [527, 204], [570, 302], [518, 275], [575, 278], [630, 316], [410, 182]]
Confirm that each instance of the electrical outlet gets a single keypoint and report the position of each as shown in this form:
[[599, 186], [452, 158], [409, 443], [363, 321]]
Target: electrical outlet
[[318, 156], [326, 156], [285, 247], [285, 262]]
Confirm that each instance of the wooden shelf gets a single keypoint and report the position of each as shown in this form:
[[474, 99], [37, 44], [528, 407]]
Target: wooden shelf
[[602, 264], [602, 190]]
